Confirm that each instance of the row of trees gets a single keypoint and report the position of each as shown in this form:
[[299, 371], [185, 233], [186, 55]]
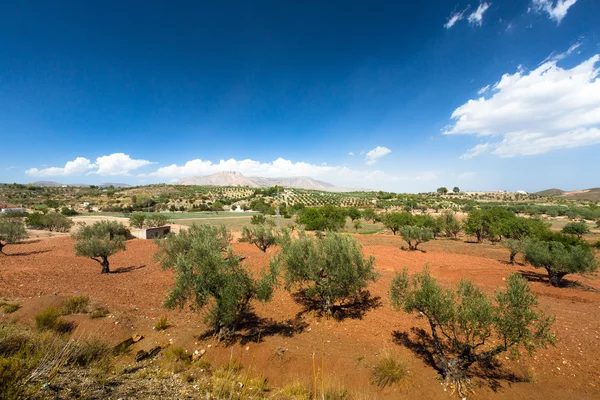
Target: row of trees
[[143, 220]]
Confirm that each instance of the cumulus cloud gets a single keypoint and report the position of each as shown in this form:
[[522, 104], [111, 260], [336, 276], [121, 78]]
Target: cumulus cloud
[[555, 10], [476, 17], [351, 154], [375, 154], [111, 165], [454, 18], [534, 112]]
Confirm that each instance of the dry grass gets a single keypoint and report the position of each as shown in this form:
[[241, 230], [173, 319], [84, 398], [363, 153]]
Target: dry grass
[[75, 305], [388, 371], [99, 312], [162, 324], [9, 308], [49, 320]]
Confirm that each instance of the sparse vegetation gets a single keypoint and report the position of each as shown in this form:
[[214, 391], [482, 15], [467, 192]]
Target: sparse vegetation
[[9, 308], [75, 305], [388, 371], [467, 326], [162, 324], [49, 320], [99, 312]]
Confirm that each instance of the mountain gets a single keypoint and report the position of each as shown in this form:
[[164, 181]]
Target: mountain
[[58, 184], [585, 194], [232, 178]]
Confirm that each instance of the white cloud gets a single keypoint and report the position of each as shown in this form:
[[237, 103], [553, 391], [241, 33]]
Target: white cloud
[[114, 164], [555, 10], [476, 17], [118, 164], [375, 154], [535, 112], [475, 151], [454, 18], [351, 154], [483, 90]]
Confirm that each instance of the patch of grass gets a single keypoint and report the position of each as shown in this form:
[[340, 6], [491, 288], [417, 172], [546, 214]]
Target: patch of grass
[[294, 391], [177, 359], [9, 308], [75, 305], [528, 375], [162, 324], [388, 371], [99, 312], [85, 353], [49, 320]]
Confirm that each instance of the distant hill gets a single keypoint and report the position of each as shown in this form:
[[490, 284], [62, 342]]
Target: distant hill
[[232, 178], [585, 194], [550, 192], [58, 184]]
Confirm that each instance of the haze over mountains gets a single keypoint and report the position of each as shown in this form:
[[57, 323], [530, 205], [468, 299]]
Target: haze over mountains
[[232, 178], [58, 184]]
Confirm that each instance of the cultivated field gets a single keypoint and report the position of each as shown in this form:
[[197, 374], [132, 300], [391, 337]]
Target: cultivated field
[[284, 342]]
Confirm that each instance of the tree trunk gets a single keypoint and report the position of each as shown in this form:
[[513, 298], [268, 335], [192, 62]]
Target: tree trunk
[[455, 376], [555, 278], [1, 247], [105, 265], [512, 257]]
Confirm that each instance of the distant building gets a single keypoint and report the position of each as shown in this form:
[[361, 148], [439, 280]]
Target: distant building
[[151, 233], [521, 192], [5, 210]]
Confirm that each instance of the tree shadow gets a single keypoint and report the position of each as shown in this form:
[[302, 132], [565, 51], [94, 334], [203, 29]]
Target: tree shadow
[[511, 264], [355, 309], [490, 372], [123, 270], [27, 253], [252, 328], [565, 283]]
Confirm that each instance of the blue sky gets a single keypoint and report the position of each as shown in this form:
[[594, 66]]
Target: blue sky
[[382, 95]]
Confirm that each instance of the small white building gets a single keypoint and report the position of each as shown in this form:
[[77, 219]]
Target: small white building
[[12, 209], [151, 233]]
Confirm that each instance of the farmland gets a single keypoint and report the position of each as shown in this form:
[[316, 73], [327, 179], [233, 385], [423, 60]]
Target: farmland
[[283, 346]]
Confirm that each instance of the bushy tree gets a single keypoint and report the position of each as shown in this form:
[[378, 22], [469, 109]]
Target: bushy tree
[[396, 220], [137, 220], [53, 222], [515, 246], [449, 224], [467, 326], [331, 268], [12, 230], [261, 236], [69, 212], [559, 259], [216, 207], [326, 218], [456, 189], [427, 221], [442, 190], [155, 220], [369, 214], [357, 225], [207, 272], [414, 235], [353, 213], [258, 219], [100, 241], [576, 228]]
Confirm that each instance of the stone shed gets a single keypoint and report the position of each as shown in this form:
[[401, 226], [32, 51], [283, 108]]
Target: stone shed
[[151, 233]]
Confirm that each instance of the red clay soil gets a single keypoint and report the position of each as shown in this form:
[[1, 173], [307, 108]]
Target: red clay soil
[[43, 272]]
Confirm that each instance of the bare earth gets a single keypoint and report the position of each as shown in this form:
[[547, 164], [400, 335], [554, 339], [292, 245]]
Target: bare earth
[[44, 271]]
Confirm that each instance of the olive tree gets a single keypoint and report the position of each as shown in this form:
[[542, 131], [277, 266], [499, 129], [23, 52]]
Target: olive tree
[[12, 231], [414, 235], [155, 220], [559, 259], [515, 246], [330, 269], [137, 220], [261, 236], [207, 272], [576, 228], [468, 326], [395, 220], [100, 241]]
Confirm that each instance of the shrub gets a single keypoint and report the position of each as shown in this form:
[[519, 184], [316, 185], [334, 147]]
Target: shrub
[[162, 324], [560, 260], [357, 225], [11, 231], [99, 312], [449, 224], [206, 269], [258, 219], [388, 371], [53, 222], [99, 241], [414, 235], [331, 268], [9, 308], [576, 228], [75, 305], [261, 236], [467, 326], [353, 213], [68, 212], [84, 353], [326, 218], [49, 319]]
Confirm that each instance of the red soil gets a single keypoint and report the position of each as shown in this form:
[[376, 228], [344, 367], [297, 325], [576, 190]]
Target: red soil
[[44, 271]]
